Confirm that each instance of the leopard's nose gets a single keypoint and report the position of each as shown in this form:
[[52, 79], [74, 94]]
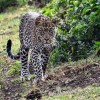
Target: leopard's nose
[[46, 40]]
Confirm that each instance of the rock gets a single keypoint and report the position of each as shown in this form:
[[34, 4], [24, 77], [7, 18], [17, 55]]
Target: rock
[[34, 95], [30, 2]]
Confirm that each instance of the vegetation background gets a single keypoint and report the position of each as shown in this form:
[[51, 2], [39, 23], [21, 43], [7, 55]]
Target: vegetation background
[[77, 38]]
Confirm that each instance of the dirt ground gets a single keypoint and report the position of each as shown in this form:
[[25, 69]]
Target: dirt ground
[[62, 79]]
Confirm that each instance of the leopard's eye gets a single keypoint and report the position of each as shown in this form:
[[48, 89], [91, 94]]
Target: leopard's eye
[[42, 33], [51, 33]]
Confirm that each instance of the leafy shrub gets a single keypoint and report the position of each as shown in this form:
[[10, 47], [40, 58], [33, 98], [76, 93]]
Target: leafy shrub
[[97, 45], [15, 69], [22, 2], [79, 24], [5, 3]]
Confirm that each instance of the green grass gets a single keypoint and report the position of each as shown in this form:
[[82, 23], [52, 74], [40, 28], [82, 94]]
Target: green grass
[[9, 26], [88, 93]]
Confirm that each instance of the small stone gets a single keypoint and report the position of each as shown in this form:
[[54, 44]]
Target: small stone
[[6, 88], [16, 94], [9, 93]]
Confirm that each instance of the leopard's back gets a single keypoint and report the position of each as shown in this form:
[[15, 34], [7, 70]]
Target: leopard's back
[[27, 29]]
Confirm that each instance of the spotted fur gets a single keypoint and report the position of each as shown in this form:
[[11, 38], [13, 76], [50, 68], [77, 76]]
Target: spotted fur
[[36, 33]]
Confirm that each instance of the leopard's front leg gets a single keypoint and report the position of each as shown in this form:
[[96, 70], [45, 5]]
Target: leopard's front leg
[[45, 58], [35, 65]]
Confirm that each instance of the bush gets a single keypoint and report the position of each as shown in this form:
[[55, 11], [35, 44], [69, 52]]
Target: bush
[[5, 3], [97, 45], [79, 24], [15, 69]]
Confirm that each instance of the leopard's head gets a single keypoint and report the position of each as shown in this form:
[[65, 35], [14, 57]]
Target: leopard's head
[[45, 30]]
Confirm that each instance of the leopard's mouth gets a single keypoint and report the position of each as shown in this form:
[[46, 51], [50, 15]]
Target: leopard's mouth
[[47, 44]]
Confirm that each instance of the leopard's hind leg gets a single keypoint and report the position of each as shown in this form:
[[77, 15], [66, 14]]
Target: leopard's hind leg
[[24, 63]]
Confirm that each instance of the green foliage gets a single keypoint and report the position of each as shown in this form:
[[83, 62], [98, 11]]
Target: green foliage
[[54, 57], [15, 81], [15, 69], [6, 3], [22, 2], [97, 45], [78, 29]]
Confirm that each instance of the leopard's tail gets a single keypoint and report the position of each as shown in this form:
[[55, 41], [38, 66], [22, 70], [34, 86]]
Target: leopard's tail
[[8, 48]]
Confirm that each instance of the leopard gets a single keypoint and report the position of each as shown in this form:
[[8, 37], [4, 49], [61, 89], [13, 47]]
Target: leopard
[[36, 35]]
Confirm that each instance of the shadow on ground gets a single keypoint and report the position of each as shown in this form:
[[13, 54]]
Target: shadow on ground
[[69, 78]]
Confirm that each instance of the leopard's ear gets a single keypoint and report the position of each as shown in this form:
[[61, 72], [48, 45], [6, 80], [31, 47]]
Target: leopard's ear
[[38, 20]]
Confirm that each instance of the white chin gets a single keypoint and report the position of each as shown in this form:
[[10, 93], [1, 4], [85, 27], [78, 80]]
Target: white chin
[[46, 45]]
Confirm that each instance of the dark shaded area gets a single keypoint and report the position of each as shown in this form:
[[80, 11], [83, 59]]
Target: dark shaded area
[[73, 78], [11, 91], [84, 76], [98, 53], [4, 4], [34, 95]]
